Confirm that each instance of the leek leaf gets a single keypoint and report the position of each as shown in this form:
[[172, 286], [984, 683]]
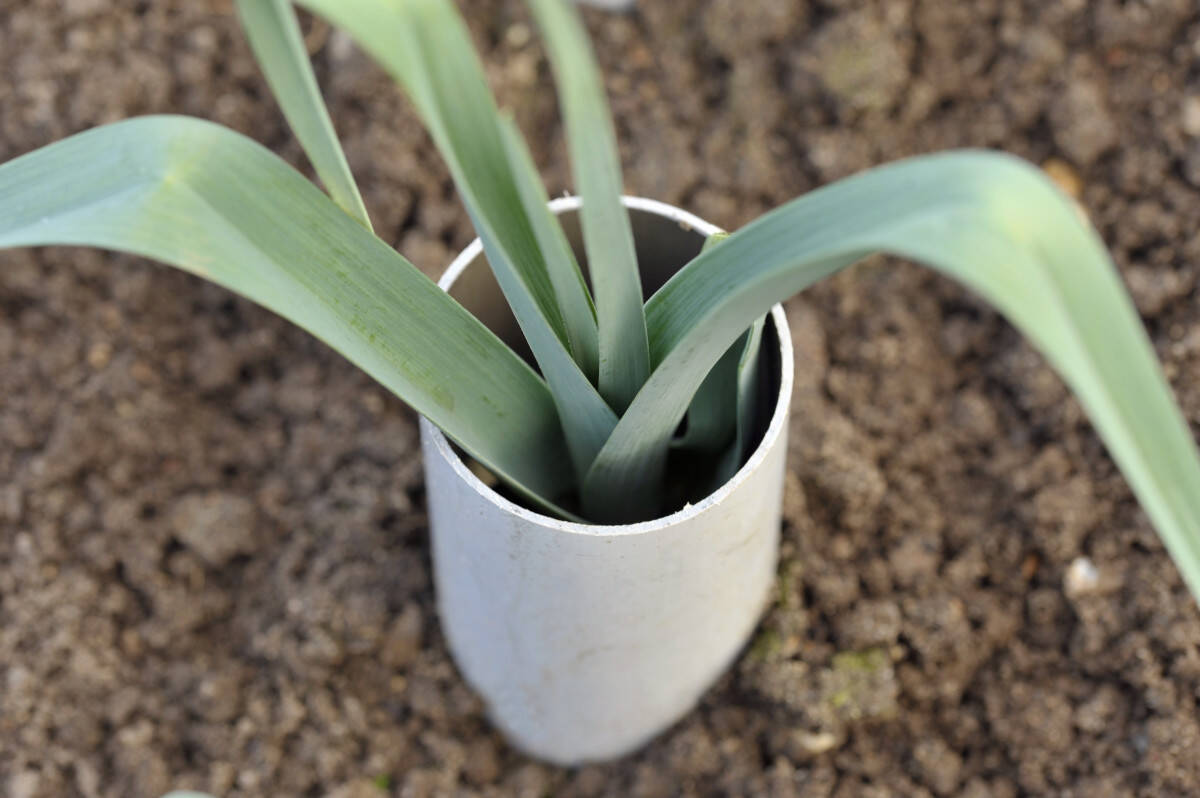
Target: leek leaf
[[275, 37], [212, 202], [991, 221], [568, 282], [607, 235], [425, 46]]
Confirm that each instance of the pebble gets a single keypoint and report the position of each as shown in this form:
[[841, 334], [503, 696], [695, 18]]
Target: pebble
[[99, 355], [517, 35], [24, 784], [1081, 578], [816, 743], [1191, 115], [341, 45]]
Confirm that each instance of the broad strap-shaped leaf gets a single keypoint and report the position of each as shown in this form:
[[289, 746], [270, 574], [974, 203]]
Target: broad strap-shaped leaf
[[607, 235], [579, 315], [749, 389], [715, 410], [712, 413], [427, 48], [991, 221], [278, 45], [214, 203]]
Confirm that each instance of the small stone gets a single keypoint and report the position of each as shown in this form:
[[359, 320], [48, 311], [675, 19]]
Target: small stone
[[1191, 115], [816, 743], [216, 526], [24, 784], [1081, 578], [517, 35], [99, 354], [523, 68], [341, 45]]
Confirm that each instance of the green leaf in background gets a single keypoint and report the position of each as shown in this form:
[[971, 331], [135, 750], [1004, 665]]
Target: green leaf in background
[[214, 203], [991, 221], [607, 235], [424, 44], [274, 36]]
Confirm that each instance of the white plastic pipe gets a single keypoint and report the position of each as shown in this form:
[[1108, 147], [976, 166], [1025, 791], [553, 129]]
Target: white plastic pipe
[[586, 641]]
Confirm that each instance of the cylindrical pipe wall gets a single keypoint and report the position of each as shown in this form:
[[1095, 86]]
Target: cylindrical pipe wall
[[586, 641]]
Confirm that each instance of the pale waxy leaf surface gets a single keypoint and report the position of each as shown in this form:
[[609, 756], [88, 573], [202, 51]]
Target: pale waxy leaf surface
[[212, 202], [721, 407], [712, 412], [426, 47], [569, 286], [713, 408], [991, 221], [607, 235], [275, 37], [749, 388]]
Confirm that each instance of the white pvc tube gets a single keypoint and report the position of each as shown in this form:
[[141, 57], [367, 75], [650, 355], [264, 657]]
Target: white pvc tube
[[586, 641]]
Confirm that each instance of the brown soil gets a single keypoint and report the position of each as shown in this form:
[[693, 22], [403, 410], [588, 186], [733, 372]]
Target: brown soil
[[213, 551]]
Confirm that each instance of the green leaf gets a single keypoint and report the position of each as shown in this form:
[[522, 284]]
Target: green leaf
[[992, 222], [425, 45], [749, 385], [214, 203], [569, 286], [713, 412], [275, 37], [607, 235]]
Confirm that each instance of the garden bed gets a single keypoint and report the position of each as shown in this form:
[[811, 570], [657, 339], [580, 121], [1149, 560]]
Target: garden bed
[[213, 553]]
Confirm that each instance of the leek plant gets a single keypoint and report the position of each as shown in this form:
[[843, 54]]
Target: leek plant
[[586, 435]]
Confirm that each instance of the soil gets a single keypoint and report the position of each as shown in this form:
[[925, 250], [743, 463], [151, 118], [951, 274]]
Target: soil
[[213, 548]]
